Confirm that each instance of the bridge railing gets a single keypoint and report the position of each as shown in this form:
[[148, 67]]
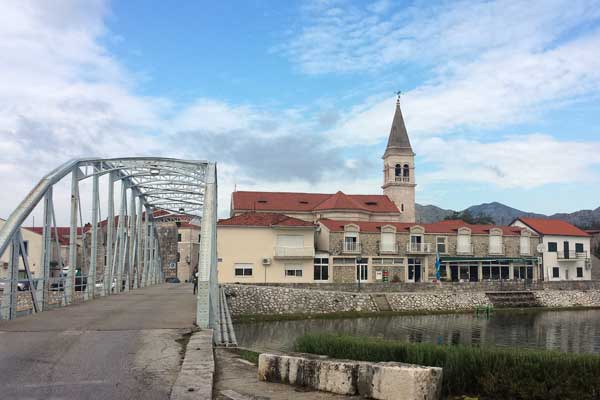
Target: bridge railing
[[131, 243]]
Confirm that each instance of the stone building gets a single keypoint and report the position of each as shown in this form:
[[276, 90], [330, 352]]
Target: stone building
[[565, 249], [402, 252]]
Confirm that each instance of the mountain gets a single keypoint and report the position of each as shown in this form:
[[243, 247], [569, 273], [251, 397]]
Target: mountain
[[503, 214]]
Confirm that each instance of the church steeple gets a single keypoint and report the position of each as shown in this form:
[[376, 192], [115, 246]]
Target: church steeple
[[399, 168], [398, 141]]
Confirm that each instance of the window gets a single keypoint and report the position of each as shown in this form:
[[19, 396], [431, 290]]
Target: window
[[243, 270], [388, 241], [179, 237], [351, 241], [199, 238], [525, 245], [387, 261], [579, 272], [344, 260], [294, 271], [105, 259], [556, 272], [26, 246], [406, 172], [495, 244], [464, 243], [552, 247], [178, 256], [414, 269], [321, 272], [362, 270], [398, 170], [493, 270], [579, 248], [290, 241], [440, 242]]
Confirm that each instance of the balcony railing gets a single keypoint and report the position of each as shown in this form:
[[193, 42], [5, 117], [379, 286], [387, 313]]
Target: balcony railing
[[497, 251], [351, 247], [465, 249], [393, 249], [294, 252], [418, 247], [405, 179], [571, 255]]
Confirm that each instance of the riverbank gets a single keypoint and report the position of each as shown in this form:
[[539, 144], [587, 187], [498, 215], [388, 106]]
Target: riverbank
[[482, 371], [286, 302]]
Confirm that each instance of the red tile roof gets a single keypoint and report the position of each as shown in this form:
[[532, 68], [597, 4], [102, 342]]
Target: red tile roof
[[64, 233], [264, 219], [291, 201], [552, 227], [450, 226]]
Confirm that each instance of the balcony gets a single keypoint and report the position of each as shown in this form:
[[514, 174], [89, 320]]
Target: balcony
[[497, 252], [571, 255], [418, 248], [465, 250], [404, 179], [388, 249], [294, 252], [351, 247]]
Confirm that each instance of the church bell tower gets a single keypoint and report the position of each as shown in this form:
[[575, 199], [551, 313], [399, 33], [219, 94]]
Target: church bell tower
[[399, 168]]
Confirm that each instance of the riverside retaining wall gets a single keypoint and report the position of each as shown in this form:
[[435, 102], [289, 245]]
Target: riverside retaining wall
[[265, 300]]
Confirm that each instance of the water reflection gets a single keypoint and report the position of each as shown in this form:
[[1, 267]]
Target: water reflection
[[569, 331]]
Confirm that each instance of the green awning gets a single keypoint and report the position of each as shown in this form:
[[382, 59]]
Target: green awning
[[499, 259]]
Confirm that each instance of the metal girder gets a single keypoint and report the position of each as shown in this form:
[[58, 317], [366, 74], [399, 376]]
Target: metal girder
[[171, 189]]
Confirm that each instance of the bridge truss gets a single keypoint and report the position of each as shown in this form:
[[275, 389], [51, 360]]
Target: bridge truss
[[150, 189]]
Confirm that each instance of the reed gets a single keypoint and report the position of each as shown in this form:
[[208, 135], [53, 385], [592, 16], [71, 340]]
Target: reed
[[489, 372]]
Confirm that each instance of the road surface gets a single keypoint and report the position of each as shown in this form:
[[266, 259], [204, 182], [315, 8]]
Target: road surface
[[120, 347]]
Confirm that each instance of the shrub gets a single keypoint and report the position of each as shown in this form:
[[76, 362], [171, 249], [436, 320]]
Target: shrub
[[483, 371]]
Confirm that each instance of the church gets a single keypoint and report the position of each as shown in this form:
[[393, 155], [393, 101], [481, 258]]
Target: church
[[397, 203], [290, 237]]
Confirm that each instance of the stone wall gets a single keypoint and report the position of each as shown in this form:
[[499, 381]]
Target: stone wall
[[463, 301], [568, 298], [265, 300], [246, 299]]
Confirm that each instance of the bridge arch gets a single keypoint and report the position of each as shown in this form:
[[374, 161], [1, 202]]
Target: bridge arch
[[149, 185]]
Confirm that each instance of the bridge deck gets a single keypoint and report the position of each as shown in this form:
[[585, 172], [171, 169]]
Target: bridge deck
[[122, 346]]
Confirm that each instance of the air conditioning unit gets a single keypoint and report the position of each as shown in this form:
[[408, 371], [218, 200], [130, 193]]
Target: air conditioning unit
[[266, 261]]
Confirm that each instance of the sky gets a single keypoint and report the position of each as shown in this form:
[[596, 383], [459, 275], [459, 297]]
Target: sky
[[501, 98]]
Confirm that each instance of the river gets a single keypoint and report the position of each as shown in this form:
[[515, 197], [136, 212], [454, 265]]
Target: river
[[568, 331]]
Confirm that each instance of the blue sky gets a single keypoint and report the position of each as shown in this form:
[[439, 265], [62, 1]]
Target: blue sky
[[501, 98]]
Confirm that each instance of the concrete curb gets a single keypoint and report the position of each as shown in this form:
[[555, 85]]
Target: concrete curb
[[195, 380]]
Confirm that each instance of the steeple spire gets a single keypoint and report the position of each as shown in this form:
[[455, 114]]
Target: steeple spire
[[398, 141]]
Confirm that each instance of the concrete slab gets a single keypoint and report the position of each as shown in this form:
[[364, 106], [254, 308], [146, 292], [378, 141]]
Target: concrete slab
[[120, 347], [195, 380]]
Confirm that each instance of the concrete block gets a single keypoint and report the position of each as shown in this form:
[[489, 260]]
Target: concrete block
[[383, 381]]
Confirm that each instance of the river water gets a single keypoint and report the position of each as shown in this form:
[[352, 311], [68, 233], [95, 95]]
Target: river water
[[568, 331]]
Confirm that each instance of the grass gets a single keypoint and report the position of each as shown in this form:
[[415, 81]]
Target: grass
[[248, 355], [489, 372]]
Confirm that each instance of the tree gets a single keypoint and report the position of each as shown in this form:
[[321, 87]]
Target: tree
[[481, 219]]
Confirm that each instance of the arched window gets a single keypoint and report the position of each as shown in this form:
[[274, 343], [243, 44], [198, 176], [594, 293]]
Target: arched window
[[402, 207], [406, 171], [398, 170]]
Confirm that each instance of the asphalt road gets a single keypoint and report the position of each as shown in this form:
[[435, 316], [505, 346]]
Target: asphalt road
[[120, 347]]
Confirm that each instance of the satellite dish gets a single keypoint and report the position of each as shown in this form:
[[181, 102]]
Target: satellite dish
[[541, 248]]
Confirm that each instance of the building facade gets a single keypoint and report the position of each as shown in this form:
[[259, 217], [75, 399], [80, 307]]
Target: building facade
[[566, 249], [265, 247]]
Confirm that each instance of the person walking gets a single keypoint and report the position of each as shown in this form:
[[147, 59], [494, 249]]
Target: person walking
[[195, 279]]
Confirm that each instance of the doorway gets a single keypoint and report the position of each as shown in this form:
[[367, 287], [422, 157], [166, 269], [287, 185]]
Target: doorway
[[362, 270], [414, 270]]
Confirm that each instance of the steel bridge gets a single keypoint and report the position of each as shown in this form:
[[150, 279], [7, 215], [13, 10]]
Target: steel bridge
[[149, 189]]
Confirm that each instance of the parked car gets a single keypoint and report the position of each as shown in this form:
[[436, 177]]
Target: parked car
[[21, 285], [172, 279]]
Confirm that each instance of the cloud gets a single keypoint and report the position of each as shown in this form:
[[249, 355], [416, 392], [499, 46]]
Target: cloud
[[340, 36], [517, 161]]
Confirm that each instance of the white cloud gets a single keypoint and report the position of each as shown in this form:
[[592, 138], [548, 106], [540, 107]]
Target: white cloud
[[343, 37], [519, 161]]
